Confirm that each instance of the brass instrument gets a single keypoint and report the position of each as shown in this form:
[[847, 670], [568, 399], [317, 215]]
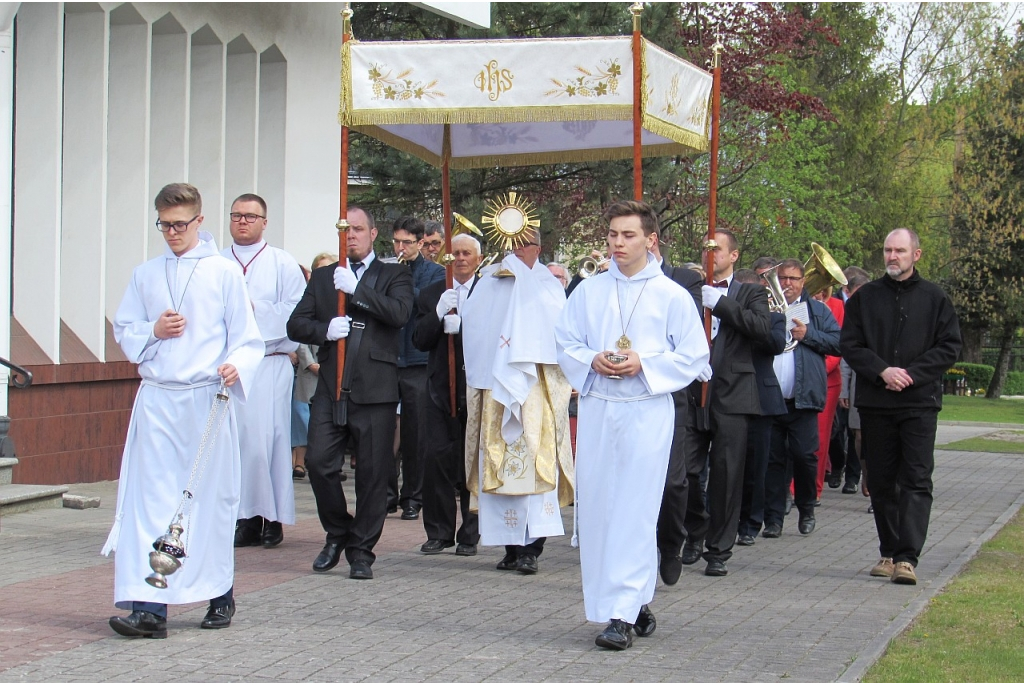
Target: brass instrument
[[776, 295], [400, 259], [591, 267], [464, 225], [487, 261], [821, 271]]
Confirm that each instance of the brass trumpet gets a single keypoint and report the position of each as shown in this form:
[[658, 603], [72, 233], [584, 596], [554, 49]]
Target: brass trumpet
[[591, 267]]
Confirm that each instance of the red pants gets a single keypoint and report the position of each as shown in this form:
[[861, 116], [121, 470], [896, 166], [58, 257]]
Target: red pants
[[825, 419]]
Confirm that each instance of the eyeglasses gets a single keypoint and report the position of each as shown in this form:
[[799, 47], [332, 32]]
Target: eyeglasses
[[405, 243], [245, 218], [433, 243], [176, 226], [791, 278]]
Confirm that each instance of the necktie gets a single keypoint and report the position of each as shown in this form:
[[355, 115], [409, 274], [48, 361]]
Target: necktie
[[720, 284], [356, 266]]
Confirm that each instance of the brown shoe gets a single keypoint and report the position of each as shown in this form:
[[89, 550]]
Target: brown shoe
[[903, 574], [883, 569]]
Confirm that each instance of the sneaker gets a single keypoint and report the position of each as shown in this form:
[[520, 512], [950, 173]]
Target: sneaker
[[903, 573], [883, 569]]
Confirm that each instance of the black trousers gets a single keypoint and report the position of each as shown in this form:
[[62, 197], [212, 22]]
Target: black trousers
[[444, 476], [759, 442], [842, 451], [795, 443], [724, 449], [672, 517], [535, 548], [899, 450], [371, 427], [412, 386]]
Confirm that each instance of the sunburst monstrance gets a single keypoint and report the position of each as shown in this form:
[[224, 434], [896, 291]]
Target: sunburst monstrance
[[508, 219]]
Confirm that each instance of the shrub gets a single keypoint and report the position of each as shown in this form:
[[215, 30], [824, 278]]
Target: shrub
[[1014, 384], [978, 375]]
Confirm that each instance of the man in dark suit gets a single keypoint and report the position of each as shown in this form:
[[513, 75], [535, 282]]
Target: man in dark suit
[[444, 436], [759, 429], [801, 374], [672, 517], [379, 298], [740, 321]]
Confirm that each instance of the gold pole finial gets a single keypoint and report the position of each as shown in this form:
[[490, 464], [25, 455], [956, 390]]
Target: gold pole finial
[[636, 9], [716, 49], [346, 19]]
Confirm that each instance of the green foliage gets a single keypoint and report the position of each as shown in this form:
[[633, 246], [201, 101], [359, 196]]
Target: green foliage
[[978, 375], [1014, 383]]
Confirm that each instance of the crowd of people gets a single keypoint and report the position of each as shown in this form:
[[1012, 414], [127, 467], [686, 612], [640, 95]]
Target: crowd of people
[[684, 444]]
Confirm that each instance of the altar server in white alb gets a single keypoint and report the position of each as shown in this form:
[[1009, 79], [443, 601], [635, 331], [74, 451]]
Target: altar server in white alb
[[518, 457], [627, 339], [185, 319], [275, 283]]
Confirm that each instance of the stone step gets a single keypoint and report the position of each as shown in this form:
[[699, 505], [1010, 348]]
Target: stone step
[[7, 465], [18, 498]]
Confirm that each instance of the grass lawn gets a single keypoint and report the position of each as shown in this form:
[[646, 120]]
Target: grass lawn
[[972, 632], [985, 445], [956, 408]]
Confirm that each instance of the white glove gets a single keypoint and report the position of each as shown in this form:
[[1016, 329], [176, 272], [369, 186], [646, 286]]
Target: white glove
[[338, 328], [710, 296], [705, 375], [452, 323], [345, 280], [449, 301]]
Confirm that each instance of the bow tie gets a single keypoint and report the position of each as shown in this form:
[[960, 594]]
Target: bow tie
[[719, 284]]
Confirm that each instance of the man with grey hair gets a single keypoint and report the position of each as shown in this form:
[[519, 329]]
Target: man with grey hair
[[559, 271], [444, 435], [900, 335], [433, 240]]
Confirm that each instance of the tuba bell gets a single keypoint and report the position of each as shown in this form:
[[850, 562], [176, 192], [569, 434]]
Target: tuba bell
[[822, 271]]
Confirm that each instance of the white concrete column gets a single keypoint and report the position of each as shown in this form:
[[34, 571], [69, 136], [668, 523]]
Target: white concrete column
[[7, 12], [83, 215], [37, 154], [129, 216], [270, 160], [242, 112], [169, 106], [206, 127]]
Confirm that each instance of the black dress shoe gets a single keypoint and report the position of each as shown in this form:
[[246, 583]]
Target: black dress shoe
[[616, 636], [745, 540], [328, 558], [508, 562], [670, 568], [816, 503], [465, 550], [789, 504], [246, 535], [772, 530], [645, 622], [273, 534], [140, 624], [360, 570], [692, 552], [834, 481], [716, 567], [806, 525], [219, 617], [392, 507], [527, 564], [410, 512], [849, 488], [435, 546]]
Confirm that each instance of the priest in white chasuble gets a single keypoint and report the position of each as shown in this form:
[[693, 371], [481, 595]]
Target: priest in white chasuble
[[186, 320], [519, 465], [627, 339], [275, 284]]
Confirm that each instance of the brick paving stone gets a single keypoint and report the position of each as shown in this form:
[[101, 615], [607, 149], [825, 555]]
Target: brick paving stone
[[800, 608]]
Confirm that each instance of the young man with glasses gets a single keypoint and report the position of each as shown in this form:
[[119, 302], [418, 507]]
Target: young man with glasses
[[275, 284], [412, 374], [185, 319]]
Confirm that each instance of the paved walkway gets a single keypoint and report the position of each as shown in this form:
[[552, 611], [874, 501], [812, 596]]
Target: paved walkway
[[798, 608]]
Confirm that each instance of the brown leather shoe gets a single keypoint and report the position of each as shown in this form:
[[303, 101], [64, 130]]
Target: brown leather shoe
[[883, 569], [903, 573]]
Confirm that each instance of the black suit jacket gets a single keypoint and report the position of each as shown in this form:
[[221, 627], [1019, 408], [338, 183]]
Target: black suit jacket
[[384, 309], [768, 389], [689, 279], [429, 336], [743, 322]]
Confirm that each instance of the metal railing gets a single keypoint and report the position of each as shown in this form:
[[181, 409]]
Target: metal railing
[[25, 379]]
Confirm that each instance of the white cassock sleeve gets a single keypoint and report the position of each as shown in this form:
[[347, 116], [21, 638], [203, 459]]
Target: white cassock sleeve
[[132, 328], [575, 355], [678, 366], [272, 315], [245, 346]]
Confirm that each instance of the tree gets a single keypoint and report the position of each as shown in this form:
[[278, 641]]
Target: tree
[[988, 206]]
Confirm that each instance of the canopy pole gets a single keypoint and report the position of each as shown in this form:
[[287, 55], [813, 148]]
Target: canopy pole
[[711, 244], [638, 170], [448, 258], [342, 225]]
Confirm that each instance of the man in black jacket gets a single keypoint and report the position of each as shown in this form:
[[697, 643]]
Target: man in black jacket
[[801, 375], [900, 335], [379, 298], [444, 436]]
